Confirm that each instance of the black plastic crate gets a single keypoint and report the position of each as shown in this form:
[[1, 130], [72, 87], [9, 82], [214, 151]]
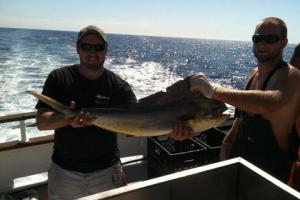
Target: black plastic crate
[[212, 139], [166, 155]]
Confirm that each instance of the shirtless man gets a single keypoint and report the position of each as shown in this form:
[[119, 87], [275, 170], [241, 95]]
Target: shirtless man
[[295, 61], [294, 180], [269, 105]]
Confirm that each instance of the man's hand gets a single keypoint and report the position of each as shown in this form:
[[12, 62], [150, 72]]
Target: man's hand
[[82, 119], [200, 83], [181, 132]]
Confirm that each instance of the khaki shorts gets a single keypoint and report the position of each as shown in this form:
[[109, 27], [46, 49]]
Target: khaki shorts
[[65, 184]]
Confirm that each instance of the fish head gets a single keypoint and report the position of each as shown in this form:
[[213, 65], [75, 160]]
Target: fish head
[[210, 105], [209, 113], [203, 122]]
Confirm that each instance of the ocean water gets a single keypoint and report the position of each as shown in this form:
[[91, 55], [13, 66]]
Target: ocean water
[[149, 64]]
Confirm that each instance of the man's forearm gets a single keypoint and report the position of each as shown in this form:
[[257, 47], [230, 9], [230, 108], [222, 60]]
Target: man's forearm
[[49, 120], [254, 101]]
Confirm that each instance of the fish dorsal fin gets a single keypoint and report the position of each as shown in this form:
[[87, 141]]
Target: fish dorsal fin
[[179, 91], [153, 99]]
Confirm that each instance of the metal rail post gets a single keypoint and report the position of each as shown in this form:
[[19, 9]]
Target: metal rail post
[[23, 131]]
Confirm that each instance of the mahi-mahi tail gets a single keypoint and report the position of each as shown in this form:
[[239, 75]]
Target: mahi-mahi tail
[[59, 107]]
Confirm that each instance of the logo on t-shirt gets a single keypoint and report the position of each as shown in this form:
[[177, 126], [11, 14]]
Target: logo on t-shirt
[[101, 100], [101, 97]]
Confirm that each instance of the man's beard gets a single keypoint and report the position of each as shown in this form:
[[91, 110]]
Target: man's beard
[[266, 57], [263, 58], [93, 66]]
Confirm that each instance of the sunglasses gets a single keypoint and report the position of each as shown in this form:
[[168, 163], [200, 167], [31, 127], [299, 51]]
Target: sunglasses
[[92, 47], [269, 39]]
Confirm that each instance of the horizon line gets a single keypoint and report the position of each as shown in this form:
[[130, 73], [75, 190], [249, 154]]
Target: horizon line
[[131, 34]]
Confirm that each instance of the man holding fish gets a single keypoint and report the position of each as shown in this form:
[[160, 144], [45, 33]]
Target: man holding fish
[[262, 132], [101, 105], [85, 159]]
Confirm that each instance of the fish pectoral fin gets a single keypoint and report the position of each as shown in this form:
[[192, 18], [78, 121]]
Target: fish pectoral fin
[[186, 117], [129, 135], [184, 122]]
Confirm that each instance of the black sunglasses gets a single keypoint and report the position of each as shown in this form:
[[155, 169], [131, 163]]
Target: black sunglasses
[[269, 39], [93, 47]]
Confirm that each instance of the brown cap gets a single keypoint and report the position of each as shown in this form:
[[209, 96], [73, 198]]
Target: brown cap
[[91, 29]]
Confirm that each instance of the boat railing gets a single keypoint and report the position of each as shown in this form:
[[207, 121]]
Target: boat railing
[[24, 139], [21, 117]]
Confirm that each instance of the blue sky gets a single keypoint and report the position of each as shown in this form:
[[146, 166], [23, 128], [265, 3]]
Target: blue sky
[[213, 19]]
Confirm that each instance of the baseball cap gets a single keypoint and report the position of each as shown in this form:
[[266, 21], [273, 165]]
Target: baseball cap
[[91, 29]]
